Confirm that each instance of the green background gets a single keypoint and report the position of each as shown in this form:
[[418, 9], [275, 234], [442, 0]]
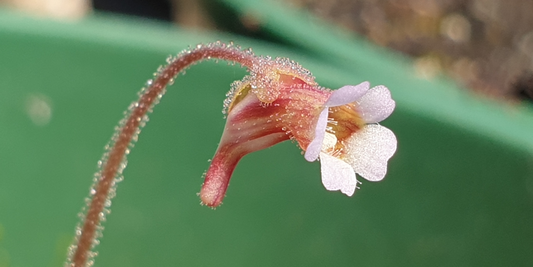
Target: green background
[[459, 191]]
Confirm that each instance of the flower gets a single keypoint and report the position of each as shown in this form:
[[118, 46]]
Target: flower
[[280, 101], [364, 149]]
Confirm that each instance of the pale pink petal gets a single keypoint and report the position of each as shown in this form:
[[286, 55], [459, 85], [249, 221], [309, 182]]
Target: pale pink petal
[[337, 175], [347, 94], [376, 105], [369, 149], [313, 149]]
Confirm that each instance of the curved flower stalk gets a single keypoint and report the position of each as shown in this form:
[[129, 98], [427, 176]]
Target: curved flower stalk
[[278, 101]]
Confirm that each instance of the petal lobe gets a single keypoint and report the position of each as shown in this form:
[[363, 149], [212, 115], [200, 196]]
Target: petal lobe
[[376, 105], [337, 175], [313, 149], [347, 94], [369, 150]]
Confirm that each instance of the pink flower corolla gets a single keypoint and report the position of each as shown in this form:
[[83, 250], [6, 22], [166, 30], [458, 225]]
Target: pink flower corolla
[[280, 101]]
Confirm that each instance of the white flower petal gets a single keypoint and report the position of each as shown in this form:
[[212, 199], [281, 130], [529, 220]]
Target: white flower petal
[[369, 149], [313, 149], [376, 105], [347, 94], [337, 175]]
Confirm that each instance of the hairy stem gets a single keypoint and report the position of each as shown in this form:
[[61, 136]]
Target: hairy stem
[[81, 252]]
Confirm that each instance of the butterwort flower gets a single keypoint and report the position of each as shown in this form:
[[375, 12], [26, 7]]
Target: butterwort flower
[[280, 101]]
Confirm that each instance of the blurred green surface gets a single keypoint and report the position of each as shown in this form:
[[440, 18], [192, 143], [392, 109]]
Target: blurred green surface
[[459, 190]]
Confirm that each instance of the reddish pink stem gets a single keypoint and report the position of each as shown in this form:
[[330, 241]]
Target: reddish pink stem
[[130, 127]]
